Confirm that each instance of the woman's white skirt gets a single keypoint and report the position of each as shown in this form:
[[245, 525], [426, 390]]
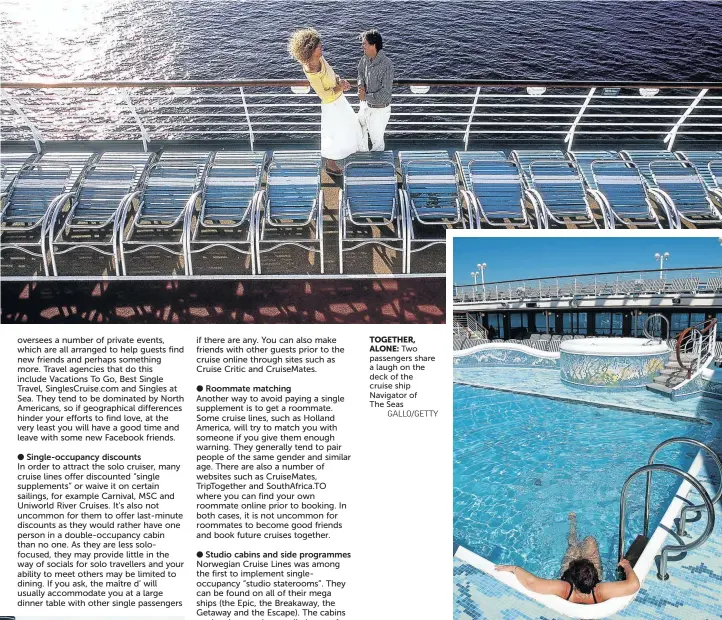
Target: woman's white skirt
[[341, 133]]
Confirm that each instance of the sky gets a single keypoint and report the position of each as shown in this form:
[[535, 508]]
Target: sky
[[511, 258]]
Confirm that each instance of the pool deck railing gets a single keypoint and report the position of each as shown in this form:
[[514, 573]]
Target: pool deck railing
[[703, 281]]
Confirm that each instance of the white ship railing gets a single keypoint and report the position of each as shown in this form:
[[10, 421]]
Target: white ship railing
[[467, 325], [462, 111], [676, 281]]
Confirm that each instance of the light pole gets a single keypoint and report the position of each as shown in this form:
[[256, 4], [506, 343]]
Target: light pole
[[661, 258], [475, 274], [481, 268]]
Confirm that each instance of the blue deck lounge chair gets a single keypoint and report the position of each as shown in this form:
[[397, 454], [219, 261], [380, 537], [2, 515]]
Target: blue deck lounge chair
[[226, 219], [585, 159], [713, 284], [77, 162], [524, 158], [31, 200], [685, 190], [709, 166], [496, 187], [620, 187], [10, 165], [644, 159], [432, 199], [556, 185], [556, 189], [158, 228], [715, 171], [291, 204], [92, 223], [370, 200]]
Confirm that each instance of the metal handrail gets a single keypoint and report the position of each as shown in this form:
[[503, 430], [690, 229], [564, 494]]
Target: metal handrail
[[669, 139], [659, 318], [685, 509], [603, 273], [476, 328], [471, 325], [568, 285], [694, 339], [467, 108], [238, 83], [662, 572]]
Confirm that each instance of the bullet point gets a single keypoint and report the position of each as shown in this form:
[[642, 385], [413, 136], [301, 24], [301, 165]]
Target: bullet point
[[21, 457], [200, 554], [200, 388]]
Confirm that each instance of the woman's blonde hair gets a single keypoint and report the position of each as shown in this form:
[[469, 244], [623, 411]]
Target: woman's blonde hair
[[302, 43]]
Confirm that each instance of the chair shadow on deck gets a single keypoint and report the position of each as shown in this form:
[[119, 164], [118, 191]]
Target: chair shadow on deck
[[226, 301]]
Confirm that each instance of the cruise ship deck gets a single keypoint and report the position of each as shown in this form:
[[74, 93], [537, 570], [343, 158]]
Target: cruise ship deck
[[543, 312], [142, 186]]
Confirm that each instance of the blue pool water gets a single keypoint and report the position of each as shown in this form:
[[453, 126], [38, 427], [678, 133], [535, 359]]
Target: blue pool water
[[522, 463]]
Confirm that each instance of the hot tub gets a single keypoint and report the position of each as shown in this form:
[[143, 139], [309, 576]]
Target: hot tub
[[612, 362]]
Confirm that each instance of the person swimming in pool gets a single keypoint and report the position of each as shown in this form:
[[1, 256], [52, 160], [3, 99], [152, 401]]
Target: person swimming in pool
[[581, 574]]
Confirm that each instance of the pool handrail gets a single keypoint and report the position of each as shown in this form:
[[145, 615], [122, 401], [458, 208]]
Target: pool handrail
[[658, 318], [698, 508], [662, 571]]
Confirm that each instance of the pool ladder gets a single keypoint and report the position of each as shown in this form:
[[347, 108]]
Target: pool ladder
[[654, 324], [707, 505]]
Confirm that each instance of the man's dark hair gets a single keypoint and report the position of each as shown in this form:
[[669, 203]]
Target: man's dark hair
[[373, 37], [582, 575]]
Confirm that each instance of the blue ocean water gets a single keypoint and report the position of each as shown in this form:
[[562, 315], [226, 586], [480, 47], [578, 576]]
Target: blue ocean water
[[206, 39], [221, 39], [522, 463]]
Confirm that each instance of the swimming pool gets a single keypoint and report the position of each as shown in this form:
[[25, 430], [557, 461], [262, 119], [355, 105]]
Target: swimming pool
[[522, 463]]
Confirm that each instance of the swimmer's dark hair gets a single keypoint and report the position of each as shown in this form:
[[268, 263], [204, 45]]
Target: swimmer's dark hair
[[582, 574], [373, 37]]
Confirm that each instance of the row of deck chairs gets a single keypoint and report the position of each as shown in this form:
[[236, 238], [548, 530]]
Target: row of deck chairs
[[631, 188], [144, 208], [139, 209]]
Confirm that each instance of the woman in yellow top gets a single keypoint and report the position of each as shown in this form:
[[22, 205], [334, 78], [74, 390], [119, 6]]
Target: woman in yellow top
[[341, 133]]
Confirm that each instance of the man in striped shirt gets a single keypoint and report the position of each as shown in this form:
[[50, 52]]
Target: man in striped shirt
[[375, 79]]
